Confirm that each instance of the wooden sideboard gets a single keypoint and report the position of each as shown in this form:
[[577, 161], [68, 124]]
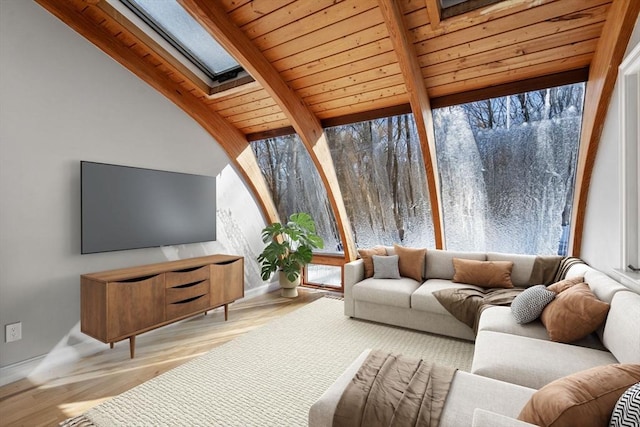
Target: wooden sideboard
[[120, 304]]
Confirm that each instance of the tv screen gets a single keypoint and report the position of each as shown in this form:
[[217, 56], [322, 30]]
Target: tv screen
[[128, 208]]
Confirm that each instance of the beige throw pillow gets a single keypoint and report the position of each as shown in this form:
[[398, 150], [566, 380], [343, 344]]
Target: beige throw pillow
[[366, 255], [584, 399], [487, 274], [574, 314], [410, 261]]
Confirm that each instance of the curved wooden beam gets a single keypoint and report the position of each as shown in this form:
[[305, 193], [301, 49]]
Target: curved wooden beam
[[602, 78], [214, 18], [230, 139], [420, 105]]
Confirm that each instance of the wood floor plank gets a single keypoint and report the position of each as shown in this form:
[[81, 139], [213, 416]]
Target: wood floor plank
[[100, 376]]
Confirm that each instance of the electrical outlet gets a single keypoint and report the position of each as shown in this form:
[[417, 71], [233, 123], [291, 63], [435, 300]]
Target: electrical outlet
[[13, 332]]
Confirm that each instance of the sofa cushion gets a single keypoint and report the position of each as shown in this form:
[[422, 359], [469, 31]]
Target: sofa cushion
[[522, 266], [424, 300], [621, 331], [411, 261], [527, 306], [500, 319], [487, 274], [366, 255], [531, 362], [573, 314], [439, 263], [385, 267], [393, 292], [603, 286], [584, 399], [484, 418], [469, 392]]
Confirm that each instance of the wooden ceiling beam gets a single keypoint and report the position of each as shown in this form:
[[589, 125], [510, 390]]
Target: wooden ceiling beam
[[602, 78], [434, 11], [420, 105], [230, 139], [214, 18]]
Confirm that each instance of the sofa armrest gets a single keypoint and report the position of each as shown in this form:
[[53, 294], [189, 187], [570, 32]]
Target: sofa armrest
[[353, 273], [484, 418]]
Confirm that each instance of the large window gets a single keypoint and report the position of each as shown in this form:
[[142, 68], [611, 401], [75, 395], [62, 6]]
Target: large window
[[382, 178], [296, 185], [507, 170]]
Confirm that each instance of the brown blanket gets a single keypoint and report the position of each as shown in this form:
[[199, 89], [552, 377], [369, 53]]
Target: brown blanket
[[545, 268], [466, 304], [394, 390]]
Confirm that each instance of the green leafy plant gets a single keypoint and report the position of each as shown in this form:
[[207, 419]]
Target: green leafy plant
[[289, 246]]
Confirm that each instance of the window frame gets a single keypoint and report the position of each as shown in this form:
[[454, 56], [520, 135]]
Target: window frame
[[629, 158]]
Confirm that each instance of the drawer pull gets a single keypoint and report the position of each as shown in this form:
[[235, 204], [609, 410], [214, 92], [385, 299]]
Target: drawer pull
[[188, 285], [188, 300]]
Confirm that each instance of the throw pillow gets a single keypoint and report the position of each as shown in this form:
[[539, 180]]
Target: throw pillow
[[385, 267], [627, 410], [528, 305], [565, 284], [410, 261], [583, 399], [574, 314], [487, 274], [366, 255]]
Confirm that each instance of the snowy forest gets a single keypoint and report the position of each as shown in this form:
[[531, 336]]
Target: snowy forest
[[506, 169]]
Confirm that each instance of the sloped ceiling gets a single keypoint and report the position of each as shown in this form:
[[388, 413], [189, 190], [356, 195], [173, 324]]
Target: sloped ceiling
[[323, 62]]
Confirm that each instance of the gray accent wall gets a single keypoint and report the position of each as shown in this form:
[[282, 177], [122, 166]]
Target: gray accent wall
[[62, 100]]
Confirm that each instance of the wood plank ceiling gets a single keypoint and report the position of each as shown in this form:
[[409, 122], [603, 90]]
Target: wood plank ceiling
[[324, 62]]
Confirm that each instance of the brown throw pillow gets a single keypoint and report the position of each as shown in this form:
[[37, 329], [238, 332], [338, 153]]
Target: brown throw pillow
[[366, 255], [565, 284], [487, 274], [410, 261], [574, 314], [584, 399]]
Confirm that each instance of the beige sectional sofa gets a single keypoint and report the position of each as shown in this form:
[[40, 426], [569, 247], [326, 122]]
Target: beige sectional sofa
[[511, 361]]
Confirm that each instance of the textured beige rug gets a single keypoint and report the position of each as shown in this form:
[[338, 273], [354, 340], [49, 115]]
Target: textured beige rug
[[270, 376]]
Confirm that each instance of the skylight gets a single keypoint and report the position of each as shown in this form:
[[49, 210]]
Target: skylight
[[179, 28]]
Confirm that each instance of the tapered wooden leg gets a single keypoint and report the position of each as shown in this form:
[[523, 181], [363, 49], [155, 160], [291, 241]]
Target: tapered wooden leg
[[226, 312], [132, 346], [110, 345]]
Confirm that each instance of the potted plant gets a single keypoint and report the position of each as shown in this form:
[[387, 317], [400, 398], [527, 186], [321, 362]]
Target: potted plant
[[289, 248]]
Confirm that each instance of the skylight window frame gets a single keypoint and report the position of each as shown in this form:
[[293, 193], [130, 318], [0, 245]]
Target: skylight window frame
[[217, 78]]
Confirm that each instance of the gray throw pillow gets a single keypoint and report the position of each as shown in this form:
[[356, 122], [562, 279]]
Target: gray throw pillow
[[385, 267], [528, 305]]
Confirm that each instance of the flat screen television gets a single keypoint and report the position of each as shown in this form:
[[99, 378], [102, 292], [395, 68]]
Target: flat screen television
[[129, 208]]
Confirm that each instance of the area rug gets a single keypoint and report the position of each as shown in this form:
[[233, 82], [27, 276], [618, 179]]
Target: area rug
[[270, 376]]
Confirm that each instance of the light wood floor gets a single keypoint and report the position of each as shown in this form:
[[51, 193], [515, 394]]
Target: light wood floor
[[108, 373]]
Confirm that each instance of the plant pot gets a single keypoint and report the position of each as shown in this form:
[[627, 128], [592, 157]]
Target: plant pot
[[289, 288]]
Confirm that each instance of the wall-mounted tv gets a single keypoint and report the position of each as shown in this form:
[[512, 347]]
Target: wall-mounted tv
[[128, 208]]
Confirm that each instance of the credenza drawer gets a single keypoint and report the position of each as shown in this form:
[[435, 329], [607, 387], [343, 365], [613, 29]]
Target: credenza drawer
[[183, 277], [189, 306], [183, 292]]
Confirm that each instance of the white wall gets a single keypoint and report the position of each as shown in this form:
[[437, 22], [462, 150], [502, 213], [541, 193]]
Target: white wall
[[602, 243], [63, 100]]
